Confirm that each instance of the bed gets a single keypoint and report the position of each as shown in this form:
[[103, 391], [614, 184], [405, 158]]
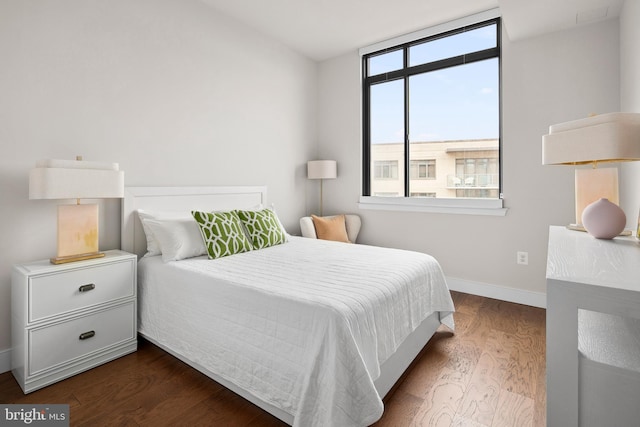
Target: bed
[[314, 332]]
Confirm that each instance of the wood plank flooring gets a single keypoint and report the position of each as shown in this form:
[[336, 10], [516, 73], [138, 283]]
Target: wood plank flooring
[[490, 373]]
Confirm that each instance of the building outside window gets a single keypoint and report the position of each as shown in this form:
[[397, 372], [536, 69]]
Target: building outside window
[[429, 102], [465, 169]]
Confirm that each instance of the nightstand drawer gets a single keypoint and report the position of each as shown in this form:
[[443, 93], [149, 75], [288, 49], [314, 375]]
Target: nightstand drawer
[[54, 294], [66, 341]]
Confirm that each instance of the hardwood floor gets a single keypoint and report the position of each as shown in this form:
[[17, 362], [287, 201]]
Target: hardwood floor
[[491, 373]]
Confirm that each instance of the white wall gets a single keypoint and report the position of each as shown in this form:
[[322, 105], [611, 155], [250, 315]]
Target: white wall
[[175, 92], [630, 102], [546, 80]]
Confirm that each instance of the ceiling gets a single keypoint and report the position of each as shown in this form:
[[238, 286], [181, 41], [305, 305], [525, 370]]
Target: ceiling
[[322, 29]]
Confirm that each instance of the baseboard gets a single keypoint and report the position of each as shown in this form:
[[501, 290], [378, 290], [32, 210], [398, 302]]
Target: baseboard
[[5, 361], [519, 296]]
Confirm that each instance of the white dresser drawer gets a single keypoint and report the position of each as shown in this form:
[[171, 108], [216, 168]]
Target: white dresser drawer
[[53, 294], [60, 343]]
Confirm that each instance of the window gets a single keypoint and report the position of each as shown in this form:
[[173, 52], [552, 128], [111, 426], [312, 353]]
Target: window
[[434, 101], [423, 169], [386, 169]]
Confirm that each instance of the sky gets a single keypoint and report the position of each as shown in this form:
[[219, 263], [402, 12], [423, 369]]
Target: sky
[[450, 104]]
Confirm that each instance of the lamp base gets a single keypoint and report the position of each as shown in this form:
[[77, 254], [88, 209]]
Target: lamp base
[[77, 233], [594, 184], [74, 258]]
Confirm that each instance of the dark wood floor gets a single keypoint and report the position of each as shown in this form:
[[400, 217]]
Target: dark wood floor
[[490, 373]]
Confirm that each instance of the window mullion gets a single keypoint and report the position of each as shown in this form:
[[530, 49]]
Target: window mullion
[[366, 132], [407, 177]]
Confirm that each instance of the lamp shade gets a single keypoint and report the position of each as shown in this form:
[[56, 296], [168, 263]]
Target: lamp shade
[[322, 169], [75, 179], [613, 137]]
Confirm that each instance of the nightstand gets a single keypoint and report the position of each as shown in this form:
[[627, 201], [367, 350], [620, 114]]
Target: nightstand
[[69, 318]]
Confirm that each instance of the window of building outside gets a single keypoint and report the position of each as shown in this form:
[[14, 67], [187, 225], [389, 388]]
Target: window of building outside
[[431, 112], [385, 169], [423, 169]]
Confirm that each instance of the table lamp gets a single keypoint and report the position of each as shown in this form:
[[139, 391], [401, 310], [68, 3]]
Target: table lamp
[[322, 169], [77, 223], [612, 137]]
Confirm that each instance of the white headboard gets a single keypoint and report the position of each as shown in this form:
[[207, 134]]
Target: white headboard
[[180, 199]]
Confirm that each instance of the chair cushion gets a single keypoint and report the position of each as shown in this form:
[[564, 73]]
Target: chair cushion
[[331, 228]]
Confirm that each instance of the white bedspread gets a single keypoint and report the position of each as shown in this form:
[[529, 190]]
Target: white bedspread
[[303, 326]]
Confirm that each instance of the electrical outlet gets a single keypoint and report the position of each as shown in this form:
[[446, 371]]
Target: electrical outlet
[[522, 258]]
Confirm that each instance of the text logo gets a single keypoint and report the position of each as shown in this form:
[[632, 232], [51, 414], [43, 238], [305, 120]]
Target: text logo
[[34, 415]]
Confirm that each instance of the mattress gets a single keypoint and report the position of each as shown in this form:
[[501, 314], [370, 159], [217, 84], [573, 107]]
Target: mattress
[[303, 326]]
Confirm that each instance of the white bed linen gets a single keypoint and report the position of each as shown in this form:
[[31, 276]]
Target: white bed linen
[[303, 326]]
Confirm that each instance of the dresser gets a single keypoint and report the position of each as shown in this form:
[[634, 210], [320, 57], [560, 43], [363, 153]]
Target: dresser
[[71, 317], [593, 330]]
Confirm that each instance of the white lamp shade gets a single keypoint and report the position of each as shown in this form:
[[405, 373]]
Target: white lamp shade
[[75, 179], [322, 169], [612, 137]]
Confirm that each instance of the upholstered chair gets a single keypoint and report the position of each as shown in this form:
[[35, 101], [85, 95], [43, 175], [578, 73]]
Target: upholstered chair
[[352, 223]]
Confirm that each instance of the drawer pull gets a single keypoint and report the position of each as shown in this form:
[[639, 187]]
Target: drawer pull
[[87, 288], [87, 335]]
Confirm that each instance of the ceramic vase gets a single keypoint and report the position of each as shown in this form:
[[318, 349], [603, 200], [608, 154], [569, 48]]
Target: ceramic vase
[[603, 219]]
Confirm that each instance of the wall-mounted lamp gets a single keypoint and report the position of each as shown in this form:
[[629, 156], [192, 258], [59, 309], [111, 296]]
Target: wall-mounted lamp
[[76, 179], [322, 169]]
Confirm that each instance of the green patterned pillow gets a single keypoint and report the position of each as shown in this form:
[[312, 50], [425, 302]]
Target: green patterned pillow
[[222, 233], [263, 227]]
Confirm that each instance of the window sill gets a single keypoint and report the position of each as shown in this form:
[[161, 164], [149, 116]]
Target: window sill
[[493, 207]]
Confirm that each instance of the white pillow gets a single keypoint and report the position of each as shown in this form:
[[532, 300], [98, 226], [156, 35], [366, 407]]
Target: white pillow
[[152, 246], [177, 238]]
